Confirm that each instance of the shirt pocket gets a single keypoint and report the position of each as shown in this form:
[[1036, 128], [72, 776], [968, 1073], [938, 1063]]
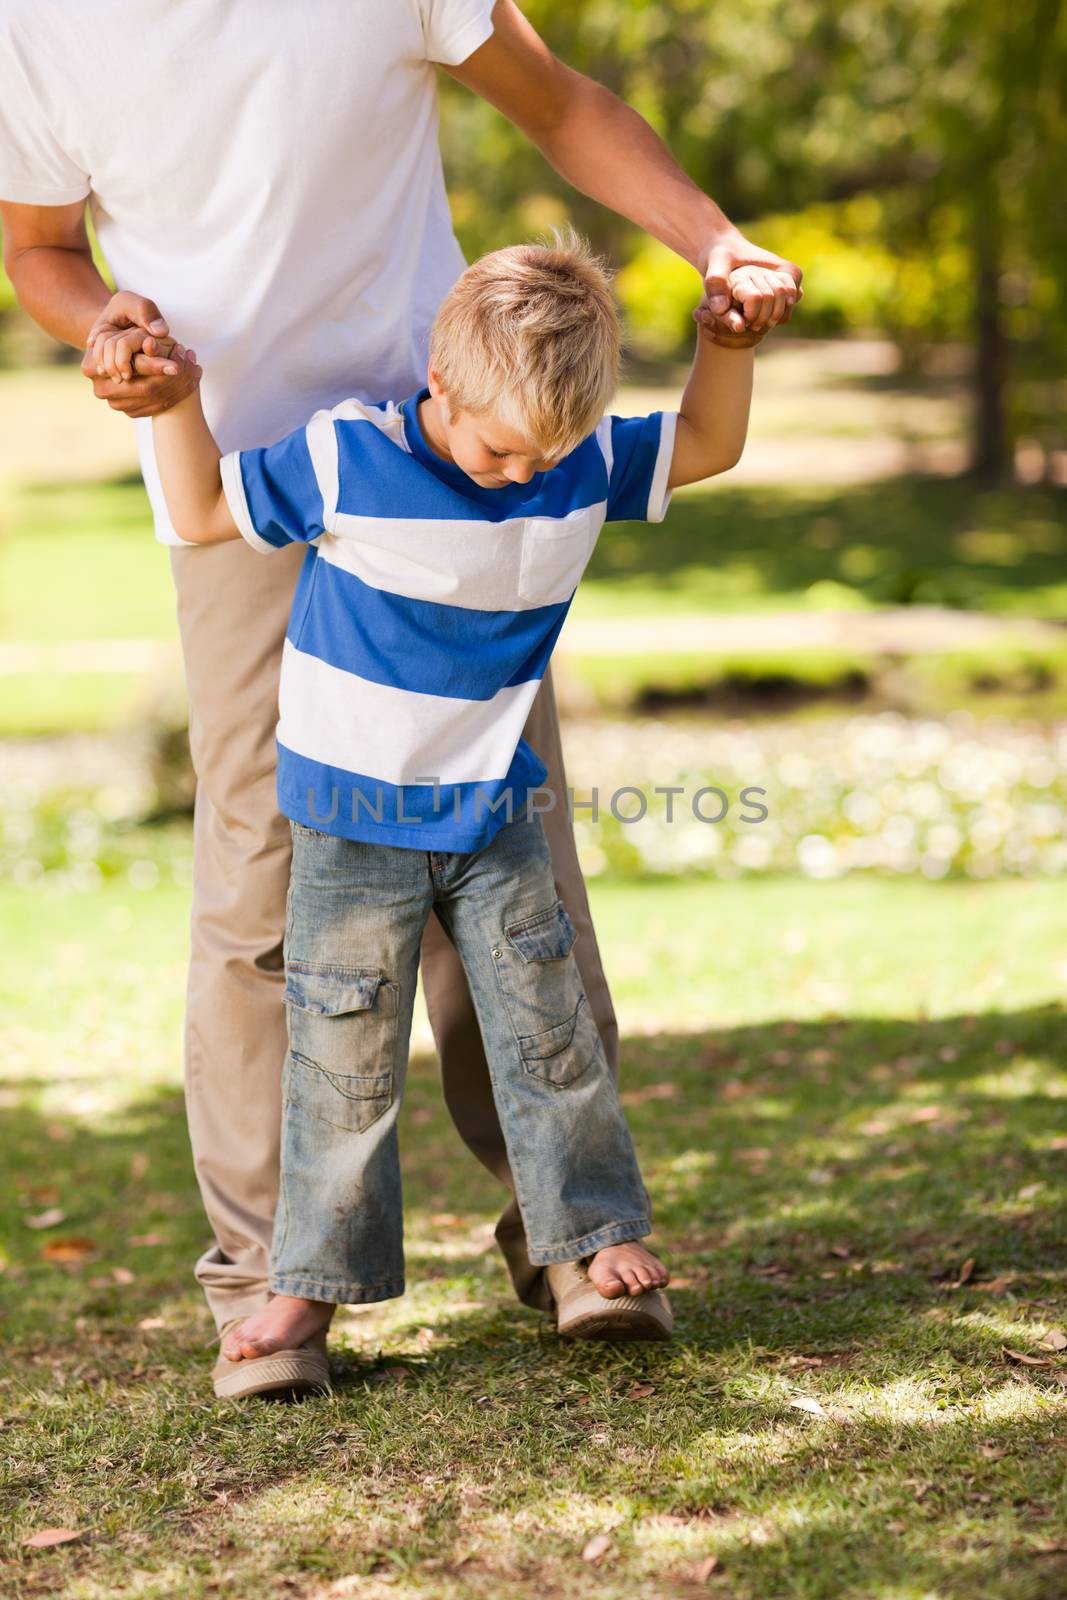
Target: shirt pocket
[[555, 552], [342, 1043], [554, 1028]]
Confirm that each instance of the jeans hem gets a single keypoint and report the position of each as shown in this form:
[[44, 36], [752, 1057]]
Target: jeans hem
[[574, 1249], [337, 1293]]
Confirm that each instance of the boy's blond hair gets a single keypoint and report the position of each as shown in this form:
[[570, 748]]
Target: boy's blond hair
[[531, 335]]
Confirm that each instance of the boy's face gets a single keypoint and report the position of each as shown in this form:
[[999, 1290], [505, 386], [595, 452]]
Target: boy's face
[[492, 453]]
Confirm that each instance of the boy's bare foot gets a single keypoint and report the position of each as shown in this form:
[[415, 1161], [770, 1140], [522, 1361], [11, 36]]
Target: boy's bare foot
[[283, 1324], [626, 1269]]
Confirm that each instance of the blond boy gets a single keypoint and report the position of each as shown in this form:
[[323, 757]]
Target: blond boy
[[446, 536]]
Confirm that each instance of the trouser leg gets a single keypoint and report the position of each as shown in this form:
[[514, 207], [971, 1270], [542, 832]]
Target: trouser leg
[[233, 606], [575, 1172], [355, 920], [467, 1086]]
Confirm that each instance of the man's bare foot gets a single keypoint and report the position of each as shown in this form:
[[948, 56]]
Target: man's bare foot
[[626, 1269], [283, 1324]]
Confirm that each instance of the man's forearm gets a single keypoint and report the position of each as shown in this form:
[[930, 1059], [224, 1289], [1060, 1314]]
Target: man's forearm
[[60, 288], [605, 149]]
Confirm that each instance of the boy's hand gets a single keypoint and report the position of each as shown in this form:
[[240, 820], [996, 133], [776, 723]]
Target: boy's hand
[[761, 300], [738, 254], [132, 362]]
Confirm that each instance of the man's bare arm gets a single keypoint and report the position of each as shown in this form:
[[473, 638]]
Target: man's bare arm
[[49, 260], [50, 263], [602, 147]]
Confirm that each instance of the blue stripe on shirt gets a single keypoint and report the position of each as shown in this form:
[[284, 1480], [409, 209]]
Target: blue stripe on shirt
[[422, 645], [454, 816], [635, 443], [377, 479], [282, 491]]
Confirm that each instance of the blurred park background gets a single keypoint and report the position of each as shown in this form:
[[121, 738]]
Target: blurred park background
[[844, 1025]]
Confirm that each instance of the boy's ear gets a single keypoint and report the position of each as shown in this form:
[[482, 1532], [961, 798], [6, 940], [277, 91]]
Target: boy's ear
[[434, 384]]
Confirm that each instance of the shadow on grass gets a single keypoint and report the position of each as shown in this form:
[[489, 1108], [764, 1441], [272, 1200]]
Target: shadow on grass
[[818, 1189], [939, 540]]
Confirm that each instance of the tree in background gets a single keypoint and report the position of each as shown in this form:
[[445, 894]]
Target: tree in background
[[903, 150]]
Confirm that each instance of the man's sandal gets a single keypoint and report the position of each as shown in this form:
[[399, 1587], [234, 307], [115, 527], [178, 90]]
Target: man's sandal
[[584, 1313], [300, 1371]]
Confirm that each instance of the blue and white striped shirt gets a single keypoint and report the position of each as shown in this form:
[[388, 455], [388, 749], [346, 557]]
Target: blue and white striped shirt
[[425, 614]]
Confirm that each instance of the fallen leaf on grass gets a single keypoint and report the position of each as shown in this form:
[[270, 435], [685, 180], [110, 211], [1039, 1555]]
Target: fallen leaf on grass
[[596, 1548], [121, 1275], [146, 1239], [50, 1536], [397, 1373], [996, 1286], [842, 1251], [1024, 1359], [147, 1324], [46, 1219], [922, 1115], [641, 1391], [803, 1403], [1053, 1340], [138, 1165], [704, 1569], [651, 1091], [966, 1273], [1058, 1143], [991, 1452], [1060, 1377], [68, 1249], [1029, 1191]]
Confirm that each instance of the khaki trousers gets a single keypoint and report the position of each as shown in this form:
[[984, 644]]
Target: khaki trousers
[[233, 607]]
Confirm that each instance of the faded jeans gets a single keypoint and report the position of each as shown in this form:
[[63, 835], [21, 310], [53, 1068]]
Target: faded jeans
[[354, 924]]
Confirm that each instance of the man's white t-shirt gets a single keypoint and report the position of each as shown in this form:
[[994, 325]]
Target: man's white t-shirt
[[267, 171]]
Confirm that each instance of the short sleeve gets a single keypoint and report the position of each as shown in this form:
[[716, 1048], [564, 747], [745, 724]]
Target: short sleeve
[[274, 494], [453, 29], [638, 453], [34, 168]]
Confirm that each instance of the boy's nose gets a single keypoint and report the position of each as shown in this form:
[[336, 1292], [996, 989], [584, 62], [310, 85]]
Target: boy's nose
[[520, 474]]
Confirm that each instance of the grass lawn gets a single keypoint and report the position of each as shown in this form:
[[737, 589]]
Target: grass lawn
[[852, 1110]]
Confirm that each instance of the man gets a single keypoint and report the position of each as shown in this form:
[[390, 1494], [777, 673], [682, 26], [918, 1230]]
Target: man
[[270, 175]]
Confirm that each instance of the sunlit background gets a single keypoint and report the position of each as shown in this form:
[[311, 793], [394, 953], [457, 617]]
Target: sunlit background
[[846, 1017]]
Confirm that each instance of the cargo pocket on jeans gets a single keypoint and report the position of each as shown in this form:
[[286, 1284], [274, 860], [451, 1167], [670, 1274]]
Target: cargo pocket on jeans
[[342, 1043], [554, 1028]]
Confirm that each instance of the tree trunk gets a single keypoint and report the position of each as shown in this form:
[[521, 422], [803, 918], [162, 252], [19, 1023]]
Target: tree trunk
[[990, 455]]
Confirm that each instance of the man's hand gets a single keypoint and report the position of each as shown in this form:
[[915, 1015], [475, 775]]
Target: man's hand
[[770, 288], [131, 361]]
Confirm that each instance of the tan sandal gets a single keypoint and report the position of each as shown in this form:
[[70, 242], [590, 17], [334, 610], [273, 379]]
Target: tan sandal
[[300, 1371], [584, 1313]]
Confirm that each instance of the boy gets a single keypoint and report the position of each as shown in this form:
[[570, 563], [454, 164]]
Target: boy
[[446, 537]]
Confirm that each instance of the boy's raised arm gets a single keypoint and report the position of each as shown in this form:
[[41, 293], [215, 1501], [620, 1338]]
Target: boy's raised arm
[[713, 416], [188, 461]]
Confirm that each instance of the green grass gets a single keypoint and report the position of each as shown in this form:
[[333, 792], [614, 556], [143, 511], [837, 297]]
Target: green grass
[[107, 577], [840, 1092], [940, 541]]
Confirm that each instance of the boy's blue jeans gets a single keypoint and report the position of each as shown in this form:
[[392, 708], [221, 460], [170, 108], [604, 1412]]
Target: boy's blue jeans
[[354, 925]]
